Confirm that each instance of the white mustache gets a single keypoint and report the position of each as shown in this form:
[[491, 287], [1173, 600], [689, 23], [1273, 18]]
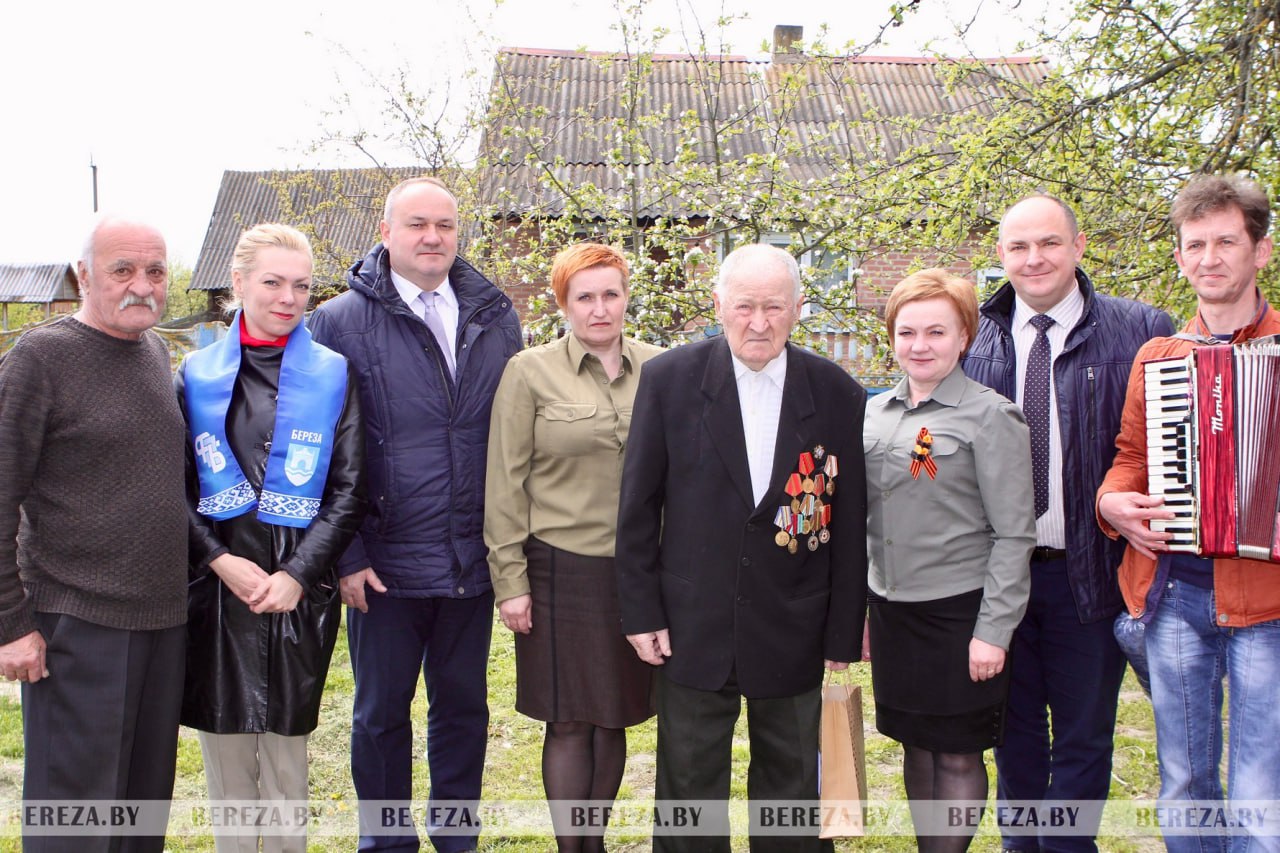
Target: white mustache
[[131, 300]]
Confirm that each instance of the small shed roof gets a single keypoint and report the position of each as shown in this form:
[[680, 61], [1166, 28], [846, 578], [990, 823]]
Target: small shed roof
[[338, 209], [38, 283]]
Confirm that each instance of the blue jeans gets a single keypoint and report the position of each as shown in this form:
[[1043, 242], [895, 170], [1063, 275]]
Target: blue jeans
[[1131, 636], [1189, 656]]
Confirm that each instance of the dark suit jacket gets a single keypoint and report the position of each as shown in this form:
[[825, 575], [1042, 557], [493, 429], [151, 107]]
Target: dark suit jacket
[[696, 556]]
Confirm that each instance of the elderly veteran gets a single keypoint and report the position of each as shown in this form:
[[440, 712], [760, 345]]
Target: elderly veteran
[[741, 545]]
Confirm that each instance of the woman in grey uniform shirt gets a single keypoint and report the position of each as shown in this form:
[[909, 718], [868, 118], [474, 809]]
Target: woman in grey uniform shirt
[[950, 531]]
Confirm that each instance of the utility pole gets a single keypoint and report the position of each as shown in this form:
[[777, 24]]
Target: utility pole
[[93, 169]]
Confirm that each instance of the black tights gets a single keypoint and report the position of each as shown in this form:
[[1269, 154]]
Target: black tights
[[581, 761], [935, 776]]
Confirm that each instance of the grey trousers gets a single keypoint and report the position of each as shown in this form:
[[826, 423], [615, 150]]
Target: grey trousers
[[250, 768]]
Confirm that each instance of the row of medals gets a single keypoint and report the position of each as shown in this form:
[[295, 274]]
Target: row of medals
[[808, 514]]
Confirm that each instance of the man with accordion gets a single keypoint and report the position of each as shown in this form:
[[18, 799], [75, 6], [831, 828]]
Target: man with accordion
[[1205, 583]]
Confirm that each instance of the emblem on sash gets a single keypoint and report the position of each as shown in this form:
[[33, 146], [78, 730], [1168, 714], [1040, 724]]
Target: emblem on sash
[[808, 513], [206, 447], [300, 463]]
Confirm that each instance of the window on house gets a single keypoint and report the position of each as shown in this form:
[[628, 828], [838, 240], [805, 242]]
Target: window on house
[[824, 270], [989, 281]]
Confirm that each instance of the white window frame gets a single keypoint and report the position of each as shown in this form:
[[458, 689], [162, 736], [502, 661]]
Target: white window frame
[[807, 261], [988, 280]]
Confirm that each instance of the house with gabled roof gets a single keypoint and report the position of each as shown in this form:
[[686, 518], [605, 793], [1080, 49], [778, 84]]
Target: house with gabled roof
[[554, 114], [650, 134]]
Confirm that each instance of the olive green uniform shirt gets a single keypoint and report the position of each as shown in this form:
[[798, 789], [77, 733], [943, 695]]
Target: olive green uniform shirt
[[972, 527], [556, 440]]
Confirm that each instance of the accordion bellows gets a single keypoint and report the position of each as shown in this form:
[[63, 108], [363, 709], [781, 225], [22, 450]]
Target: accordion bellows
[[1210, 418]]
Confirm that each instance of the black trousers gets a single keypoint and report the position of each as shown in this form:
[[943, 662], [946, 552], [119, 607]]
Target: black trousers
[[695, 746], [103, 725]]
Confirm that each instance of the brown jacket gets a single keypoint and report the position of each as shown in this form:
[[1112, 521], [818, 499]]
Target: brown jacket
[[1245, 591]]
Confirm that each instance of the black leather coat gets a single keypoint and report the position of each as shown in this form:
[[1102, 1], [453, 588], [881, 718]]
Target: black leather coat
[[265, 673]]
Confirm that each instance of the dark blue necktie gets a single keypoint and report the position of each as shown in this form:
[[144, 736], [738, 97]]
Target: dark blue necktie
[[1035, 405]]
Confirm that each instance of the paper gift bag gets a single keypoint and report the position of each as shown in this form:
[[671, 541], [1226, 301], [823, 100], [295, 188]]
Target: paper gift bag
[[842, 779]]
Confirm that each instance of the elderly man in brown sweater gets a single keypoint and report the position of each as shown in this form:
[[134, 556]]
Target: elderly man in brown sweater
[[93, 544]]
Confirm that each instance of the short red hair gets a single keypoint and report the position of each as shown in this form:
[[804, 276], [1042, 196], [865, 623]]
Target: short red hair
[[573, 260]]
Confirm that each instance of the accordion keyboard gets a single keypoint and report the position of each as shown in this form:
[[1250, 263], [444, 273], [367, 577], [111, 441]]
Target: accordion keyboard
[[1170, 456]]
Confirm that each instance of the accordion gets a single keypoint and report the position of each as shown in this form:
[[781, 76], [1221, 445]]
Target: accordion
[[1210, 418]]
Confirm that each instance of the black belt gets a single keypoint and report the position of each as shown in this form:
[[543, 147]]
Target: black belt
[[1042, 554]]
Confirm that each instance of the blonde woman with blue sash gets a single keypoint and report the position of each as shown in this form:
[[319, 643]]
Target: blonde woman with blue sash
[[275, 483]]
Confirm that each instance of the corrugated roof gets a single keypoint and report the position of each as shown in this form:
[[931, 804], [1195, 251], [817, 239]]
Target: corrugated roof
[[338, 209], [38, 283], [561, 107], [564, 107]]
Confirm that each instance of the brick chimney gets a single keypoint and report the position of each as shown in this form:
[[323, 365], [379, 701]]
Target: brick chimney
[[787, 41]]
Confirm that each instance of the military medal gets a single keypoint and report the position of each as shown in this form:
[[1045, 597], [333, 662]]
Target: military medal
[[807, 515], [922, 456], [783, 520]]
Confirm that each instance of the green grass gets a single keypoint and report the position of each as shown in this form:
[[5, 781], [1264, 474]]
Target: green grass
[[10, 728], [512, 769]]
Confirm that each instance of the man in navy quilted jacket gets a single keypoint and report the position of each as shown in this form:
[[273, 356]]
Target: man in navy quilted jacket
[[429, 337], [1061, 351]]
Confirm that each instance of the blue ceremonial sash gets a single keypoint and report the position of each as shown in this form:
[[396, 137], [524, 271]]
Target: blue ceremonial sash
[[312, 388]]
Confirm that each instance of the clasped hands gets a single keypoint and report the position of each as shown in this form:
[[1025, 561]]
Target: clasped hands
[[261, 592]]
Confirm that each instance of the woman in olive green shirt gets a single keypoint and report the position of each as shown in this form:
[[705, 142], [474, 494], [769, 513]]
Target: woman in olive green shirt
[[559, 429]]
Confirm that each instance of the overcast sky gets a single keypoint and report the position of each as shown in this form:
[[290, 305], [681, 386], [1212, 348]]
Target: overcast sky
[[164, 96]]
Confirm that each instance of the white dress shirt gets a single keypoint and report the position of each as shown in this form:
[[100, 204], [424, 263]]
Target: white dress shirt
[[760, 398], [1050, 527], [446, 305]]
